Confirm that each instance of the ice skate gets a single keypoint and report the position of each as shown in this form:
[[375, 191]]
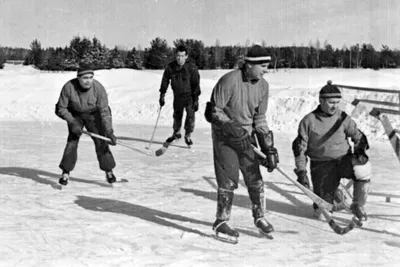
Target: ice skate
[[110, 177], [64, 178], [188, 140], [317, 213], [224, 232], [264, 227], [175, 136], [360, 216]]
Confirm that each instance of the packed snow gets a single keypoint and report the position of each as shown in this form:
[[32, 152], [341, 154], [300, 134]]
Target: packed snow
[[161, 211]]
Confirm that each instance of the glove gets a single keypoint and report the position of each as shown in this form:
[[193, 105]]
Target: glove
[[272, 160], [236, 137], [360, 156], [302, 178], [110, 134], [360, 150], [162, 100], [196, 105], [75, 127], [210, 110]]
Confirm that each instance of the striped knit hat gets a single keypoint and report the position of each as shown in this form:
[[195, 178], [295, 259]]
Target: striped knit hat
[[330, 91], [85, 69], [257, 55]]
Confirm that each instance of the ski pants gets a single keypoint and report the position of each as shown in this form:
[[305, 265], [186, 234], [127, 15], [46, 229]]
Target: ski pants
[[182, 103], [93, 123], [228, 162]]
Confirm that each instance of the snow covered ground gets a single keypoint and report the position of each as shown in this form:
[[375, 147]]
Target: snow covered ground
[[161, 211]]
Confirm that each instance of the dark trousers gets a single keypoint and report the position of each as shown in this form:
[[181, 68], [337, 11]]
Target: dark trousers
[[92, 122], [326, 175], [182, 103], [228, 163]]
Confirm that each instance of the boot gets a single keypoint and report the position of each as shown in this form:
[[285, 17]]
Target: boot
[[188, 140], [175, 136], [360, 194], [110, 177], [222, 230], [257, 199], [64, 178]]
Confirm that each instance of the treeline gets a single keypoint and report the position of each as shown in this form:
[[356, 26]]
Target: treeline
[[160, 53]]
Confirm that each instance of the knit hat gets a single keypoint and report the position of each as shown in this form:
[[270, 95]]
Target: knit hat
[[330, 91], [257, 55], [85, 69]]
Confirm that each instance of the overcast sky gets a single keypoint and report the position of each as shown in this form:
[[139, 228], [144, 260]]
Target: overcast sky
[[130, 23]]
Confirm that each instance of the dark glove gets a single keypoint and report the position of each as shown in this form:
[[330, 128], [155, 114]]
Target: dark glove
[[272, 160], [196, 105], [302, 178], [75, 127], [360, 149], [162, 100], [110, 134], [209, 112], [236, 137]]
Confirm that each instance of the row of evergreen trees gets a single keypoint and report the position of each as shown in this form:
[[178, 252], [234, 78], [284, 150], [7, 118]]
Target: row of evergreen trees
[[84, 50]]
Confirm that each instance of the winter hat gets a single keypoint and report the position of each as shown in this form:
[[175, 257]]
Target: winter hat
[[330, 91], [257, 55], [85, 69]]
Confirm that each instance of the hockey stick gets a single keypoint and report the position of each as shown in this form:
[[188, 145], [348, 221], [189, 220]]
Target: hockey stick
[[155, 127], [145, 152], [322, 204]]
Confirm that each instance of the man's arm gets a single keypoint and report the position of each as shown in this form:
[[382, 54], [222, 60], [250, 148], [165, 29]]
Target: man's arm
[[215, 108], [260, 119], [165, 81], [299, 147], [62, 105], [103, 107], [195, 83]]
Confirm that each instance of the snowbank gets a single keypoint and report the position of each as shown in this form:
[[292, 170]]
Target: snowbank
[[27, 94]]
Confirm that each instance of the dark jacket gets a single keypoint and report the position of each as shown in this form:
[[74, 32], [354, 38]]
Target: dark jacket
[[74, 101], [185, 80]]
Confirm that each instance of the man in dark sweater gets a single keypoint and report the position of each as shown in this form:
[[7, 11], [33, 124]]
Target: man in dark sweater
[[323, 137], [236, 110], [185, 84], [83, 102]]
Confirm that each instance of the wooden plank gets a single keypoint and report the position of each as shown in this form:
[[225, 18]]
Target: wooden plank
[[368, 89]]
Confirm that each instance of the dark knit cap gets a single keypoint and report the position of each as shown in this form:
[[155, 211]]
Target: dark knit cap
[[85, 69], [257, 55], [330, 91]]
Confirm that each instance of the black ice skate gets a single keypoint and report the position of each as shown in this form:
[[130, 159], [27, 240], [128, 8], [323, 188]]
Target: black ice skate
[[360, 216], [264, 227], [110, 177], [188, 141], [224, 232], [175, 136], [64, 178]]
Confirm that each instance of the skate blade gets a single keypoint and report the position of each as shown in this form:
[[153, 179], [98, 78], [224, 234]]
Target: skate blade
[[226, 238], [267, 235]]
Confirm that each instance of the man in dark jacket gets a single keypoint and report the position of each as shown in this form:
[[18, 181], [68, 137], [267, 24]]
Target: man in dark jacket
[[323, 138], [83, 102], [185, 84]]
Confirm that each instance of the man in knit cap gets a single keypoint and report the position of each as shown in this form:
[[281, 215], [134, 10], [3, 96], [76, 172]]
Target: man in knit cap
[[236, 112], [323, 138], [83, 102]]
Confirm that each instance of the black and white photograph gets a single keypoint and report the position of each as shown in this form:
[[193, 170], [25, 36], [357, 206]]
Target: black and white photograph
[[199, 133]]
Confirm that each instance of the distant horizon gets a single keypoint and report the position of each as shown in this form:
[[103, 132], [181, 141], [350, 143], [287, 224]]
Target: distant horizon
[[129, 24]]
